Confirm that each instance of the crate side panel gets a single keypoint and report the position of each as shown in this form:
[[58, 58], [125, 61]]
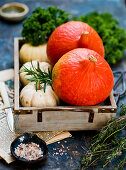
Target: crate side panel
[[16, 73], [25, 120], [31, 124], [64, 117]]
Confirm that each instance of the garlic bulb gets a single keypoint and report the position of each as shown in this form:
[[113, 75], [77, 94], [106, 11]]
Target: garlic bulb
[[44, 66], [29, 97]]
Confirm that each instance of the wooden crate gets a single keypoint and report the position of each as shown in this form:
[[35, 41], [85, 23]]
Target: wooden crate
[[59, 117]]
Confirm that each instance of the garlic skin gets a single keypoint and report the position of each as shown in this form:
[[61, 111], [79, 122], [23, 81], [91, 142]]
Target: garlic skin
[[29, 97], [29, 53], [44, 66]]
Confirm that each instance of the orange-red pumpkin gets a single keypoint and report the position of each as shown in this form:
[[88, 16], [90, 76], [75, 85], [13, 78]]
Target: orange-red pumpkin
[[82, 77], [71, 35]]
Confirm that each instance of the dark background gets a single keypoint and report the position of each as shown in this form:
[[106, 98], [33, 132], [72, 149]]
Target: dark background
[[74, 7], [75, 147]]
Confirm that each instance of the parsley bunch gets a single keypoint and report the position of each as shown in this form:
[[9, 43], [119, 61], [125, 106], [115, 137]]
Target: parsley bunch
[[39, 26], [113, 37]]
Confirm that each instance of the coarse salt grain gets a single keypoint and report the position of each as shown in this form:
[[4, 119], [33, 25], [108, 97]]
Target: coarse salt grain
[[30, 151]]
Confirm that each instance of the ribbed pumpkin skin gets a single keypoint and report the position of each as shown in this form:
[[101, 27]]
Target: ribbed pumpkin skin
[[70, 36], [29, 53], [79, 81]]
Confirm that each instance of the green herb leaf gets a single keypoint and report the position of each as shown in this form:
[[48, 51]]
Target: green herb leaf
[[38, 27], [37, 75]]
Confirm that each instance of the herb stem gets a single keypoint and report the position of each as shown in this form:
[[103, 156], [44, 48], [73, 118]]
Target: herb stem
[[38, 76], [114, 133], [103, 151], [93, 161]]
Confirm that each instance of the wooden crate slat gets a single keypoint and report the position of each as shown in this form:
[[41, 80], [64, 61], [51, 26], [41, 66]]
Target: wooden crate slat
[[29, 123], [16, 73]]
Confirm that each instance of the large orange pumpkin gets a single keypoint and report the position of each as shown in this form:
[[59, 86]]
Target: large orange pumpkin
[[71, 35], [82, 77]]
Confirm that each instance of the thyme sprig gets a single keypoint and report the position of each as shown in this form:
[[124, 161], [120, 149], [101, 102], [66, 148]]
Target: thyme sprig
[[108, 145], [38, 76]]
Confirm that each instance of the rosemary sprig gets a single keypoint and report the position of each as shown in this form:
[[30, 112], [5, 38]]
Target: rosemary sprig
[[108, 145], [38, 76]]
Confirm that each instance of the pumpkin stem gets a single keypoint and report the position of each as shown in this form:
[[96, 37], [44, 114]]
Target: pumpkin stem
[[92, 58], [82, 43], [84, 33], [38, 85], [38, 64]]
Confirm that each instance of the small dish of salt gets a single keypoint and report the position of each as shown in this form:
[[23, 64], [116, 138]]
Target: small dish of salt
[[29, 148]]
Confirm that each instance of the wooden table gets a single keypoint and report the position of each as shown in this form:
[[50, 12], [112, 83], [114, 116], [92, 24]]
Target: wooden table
[[67, 153]]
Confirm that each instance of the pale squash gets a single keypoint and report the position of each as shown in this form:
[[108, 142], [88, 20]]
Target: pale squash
[[44, 66], [29, 97], [30, 53]]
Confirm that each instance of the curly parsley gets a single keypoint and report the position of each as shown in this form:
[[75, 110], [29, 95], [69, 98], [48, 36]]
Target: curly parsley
[[39, 26]]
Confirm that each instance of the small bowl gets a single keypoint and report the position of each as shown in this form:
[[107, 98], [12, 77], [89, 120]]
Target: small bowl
[[14, 11], [28, 138]]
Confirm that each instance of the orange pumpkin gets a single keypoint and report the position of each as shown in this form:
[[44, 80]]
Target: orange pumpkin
[[82, 77], [71, 35]]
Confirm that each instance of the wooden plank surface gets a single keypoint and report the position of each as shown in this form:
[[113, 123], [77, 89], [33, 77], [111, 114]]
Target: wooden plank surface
[[61, 120], [16, 73]]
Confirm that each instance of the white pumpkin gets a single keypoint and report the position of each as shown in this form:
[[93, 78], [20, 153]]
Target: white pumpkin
[[44, 66], [29, 97], [30, 53]]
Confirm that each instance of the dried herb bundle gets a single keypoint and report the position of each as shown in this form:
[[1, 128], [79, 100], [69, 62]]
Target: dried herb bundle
[[108, 145]]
